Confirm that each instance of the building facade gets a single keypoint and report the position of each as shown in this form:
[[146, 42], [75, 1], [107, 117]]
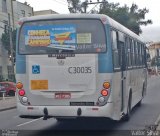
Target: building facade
[[14, 10], [44, 12], [154, 49], [21, 10], [6, 10]]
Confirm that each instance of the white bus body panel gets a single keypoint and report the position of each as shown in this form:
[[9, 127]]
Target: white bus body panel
[[60, 72]]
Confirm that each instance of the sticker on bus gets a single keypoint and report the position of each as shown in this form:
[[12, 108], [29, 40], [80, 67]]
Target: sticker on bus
[[35, 69], [84, 38], [39, 84]]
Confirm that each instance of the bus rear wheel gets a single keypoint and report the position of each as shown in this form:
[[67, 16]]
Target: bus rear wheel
[[128, 114], [140, 102]]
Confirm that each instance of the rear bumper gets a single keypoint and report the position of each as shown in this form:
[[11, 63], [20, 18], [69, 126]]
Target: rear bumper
[[67, 111]]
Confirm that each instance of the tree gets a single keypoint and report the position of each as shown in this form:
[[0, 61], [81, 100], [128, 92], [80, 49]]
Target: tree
[[6, 42], [131, 17], [76, 6]]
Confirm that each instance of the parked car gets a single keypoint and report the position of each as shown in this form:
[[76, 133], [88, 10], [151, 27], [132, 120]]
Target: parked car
[[9, 87], [2, 91]]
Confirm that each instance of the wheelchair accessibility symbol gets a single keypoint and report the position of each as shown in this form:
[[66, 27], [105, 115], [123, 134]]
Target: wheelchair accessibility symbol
[[35, 69]]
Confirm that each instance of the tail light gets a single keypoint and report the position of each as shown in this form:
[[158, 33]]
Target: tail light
[[19, 85], [106, 85], [21, 92], [104, 92]]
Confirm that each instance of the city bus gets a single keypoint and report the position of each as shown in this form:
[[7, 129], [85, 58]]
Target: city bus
[[78, 66]]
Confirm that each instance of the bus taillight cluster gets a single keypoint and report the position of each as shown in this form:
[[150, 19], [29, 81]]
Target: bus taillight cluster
[[104, 93], [106, 86], [21, 93]]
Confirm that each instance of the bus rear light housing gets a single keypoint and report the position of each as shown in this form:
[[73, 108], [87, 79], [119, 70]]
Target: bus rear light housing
[[101, 99], [19, 85], [21, 92], [104, 92], [106, 85], [24, 99]]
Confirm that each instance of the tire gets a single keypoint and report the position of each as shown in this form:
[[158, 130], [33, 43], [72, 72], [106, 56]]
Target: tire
[[128, 114], [140, 102]]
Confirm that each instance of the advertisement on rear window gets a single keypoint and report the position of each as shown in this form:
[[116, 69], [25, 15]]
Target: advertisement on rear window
[[52, 36], [62, 37]]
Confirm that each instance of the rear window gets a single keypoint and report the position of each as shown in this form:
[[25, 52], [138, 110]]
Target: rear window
[[58, 36]]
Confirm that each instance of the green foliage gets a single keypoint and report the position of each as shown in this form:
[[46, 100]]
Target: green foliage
[[76, 6], [6, 42], [131, 17]]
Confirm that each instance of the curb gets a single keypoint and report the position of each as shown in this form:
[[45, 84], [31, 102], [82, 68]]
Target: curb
[[8, 108], [157, 123]]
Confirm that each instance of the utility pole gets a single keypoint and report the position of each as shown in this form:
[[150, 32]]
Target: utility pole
[[11, 43], [85, 6], [88, 3]]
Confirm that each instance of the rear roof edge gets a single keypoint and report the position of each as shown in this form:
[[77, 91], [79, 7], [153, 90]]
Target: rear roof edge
[[62, 16]]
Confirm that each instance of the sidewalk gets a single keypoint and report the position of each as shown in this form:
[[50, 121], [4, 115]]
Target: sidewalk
[[7, 103], [158, 123]]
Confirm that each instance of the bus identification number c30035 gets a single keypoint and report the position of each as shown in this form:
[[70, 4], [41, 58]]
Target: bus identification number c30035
[[78, 70]]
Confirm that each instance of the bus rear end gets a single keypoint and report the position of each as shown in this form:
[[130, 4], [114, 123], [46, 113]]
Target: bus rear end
[[58, 68]]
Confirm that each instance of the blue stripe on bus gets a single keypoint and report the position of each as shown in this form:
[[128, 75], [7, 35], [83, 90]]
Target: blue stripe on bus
[[20, 64], [20, 60], [105, 59]]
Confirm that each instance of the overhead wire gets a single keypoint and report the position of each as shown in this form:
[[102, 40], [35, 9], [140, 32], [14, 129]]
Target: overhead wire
[[61, 2], [93, 8]]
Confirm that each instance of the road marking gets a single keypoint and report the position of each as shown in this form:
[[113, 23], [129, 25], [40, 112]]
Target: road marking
[[29, 122]]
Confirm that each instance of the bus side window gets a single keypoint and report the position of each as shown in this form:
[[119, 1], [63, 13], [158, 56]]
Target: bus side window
[[116, 60], [140, 52], [143, 56], [128, 52], [122, 51], [134, 53]]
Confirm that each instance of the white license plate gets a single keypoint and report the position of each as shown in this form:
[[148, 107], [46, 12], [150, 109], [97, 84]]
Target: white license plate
[[62, 95]]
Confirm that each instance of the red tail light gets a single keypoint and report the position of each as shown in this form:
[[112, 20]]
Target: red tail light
[[104, 92], [21, 92]]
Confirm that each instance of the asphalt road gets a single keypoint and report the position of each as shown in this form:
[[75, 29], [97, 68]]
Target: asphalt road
[[141, 117]]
